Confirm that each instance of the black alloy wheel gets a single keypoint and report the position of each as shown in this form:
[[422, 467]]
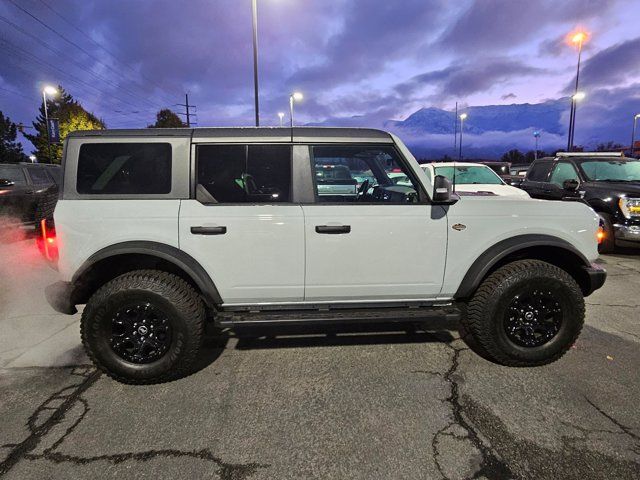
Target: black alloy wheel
[[140, 333], [533, 317]]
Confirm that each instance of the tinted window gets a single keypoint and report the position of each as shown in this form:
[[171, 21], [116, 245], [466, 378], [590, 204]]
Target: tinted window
[[124, 168], [39, 176], [15, 174], [563, 171], [245, 174], [538, 172], [354, 173]]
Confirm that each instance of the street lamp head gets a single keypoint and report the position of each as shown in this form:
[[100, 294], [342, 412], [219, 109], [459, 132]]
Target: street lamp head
[[637, 115], [579, 96], [463, 116], [297, 96], [281, 115], [536, 134], [49, 90], [32, 158], [579, 37]]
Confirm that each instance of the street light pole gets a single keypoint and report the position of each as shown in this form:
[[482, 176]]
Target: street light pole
[[536, 135], [578, 38], [281, 117], [633, 134], [294, 97], [50, 91], [462, 119], [254, 11]]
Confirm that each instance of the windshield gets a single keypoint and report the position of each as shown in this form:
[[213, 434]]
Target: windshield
[[466, 175], [617, 170]]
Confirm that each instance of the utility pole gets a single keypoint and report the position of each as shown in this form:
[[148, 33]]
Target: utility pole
[[187, 113], [254, 16]]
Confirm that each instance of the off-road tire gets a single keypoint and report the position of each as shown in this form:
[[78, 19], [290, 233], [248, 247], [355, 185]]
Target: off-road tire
[[485, 313], [170, 294], [608, 244]]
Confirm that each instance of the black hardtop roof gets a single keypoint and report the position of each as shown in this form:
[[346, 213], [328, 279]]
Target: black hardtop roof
[[248, 134]]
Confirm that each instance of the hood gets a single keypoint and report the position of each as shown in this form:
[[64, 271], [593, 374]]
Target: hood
[[500, 190], [626, 189]]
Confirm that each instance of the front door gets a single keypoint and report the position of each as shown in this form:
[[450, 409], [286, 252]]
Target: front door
[[241, 226], [382, 242]]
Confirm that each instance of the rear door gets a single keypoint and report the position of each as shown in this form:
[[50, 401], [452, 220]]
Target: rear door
[[536, 183], [241, 224], [384, 243]]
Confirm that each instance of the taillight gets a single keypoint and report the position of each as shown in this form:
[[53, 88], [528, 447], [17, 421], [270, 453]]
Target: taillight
[[47, 241]]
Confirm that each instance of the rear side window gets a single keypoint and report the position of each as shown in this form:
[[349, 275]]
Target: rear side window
[[124, 168], [563, 171], [538, 172], [14, 174], [244, 173], [39, 176]]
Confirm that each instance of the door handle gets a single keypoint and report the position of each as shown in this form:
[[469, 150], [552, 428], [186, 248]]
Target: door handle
[[208, 230], [333, 229]]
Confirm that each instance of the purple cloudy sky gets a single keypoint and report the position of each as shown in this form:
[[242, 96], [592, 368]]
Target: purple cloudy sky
[[378, 59]]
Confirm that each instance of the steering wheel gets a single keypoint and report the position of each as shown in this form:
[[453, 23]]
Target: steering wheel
[[364, 186]]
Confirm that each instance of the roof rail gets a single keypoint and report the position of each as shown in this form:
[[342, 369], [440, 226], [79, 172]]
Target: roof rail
[[589, 154]]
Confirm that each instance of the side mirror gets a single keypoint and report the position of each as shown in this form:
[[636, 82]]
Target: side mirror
[[442, 191], [571, 185], [4, 182]]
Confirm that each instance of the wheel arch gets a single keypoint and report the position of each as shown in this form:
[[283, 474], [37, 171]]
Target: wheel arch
[[550, 249], [115, 260]]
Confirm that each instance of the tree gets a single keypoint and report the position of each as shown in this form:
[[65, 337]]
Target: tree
[[513, 156], [71, 116], [608, 147], [10, 148], [165, 118]]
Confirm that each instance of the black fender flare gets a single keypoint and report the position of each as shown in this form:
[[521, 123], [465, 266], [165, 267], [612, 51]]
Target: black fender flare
[[490, 257], [177, 257]]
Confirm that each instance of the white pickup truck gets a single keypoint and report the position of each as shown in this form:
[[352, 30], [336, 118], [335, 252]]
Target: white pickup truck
[[162, 230]]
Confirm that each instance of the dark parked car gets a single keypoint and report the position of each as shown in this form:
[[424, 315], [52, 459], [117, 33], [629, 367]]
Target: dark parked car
[[609, 182], [23, 186]]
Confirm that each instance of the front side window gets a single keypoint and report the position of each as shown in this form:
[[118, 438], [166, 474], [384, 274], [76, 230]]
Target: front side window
[[470, 175], [352, 173], [13, 174], [243, 173], [612, 170], [538, 172], [563, 171], [124, 168], [39, 176]]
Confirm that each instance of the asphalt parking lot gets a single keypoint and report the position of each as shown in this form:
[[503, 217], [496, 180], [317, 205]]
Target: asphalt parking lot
[[360, 403]]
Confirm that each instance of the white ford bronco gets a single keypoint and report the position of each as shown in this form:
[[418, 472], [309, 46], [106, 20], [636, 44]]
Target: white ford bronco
[[162, 230]]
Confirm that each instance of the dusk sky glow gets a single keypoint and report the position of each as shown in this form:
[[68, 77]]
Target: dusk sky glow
[[379, 60]]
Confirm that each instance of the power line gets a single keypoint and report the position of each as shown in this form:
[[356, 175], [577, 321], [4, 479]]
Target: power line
[[99, 45], [51, 29], [76, 63], [71, 77]]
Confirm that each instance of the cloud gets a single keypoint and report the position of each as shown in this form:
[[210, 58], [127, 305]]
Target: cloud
[[508, 96], [489, 25], [460, 80], [611, 66]]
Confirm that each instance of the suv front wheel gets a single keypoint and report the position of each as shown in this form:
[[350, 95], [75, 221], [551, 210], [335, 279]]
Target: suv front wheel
[[144, 327], [526, 313]]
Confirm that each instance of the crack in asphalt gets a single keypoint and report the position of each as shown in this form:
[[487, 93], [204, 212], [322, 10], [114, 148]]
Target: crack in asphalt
[[491, 467], [70, 397], [227, 471], [38, 431], [627, 430]]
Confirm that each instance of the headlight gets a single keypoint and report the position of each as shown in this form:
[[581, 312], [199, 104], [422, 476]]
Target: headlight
[[630, 207]]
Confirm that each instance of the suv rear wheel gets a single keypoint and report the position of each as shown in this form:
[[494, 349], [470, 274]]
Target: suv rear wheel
[[526, 313], [144, 327]]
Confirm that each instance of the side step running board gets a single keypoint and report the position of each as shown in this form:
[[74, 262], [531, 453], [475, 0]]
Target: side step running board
[[335, 317]]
